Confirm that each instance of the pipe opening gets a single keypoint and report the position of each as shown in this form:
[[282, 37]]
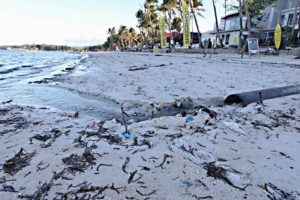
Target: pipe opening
[[233, 99]]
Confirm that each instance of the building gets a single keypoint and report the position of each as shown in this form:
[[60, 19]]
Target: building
[[285, 13], [289, 13], [229, 29], [263, 27]]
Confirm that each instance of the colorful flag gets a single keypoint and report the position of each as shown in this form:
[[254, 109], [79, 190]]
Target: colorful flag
[[162, 29], [186, 25]]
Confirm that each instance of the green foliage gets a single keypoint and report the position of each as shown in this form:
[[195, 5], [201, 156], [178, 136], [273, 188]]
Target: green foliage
[[255, 6], [176, 24]]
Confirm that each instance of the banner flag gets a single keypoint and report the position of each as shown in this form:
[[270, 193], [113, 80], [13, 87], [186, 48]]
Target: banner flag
[[162, 29], [186, 25]]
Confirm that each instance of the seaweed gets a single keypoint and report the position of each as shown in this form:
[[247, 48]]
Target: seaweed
[[18, 162]]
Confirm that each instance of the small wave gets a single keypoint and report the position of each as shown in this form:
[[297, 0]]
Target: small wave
[[26, 66], [9, 70], [1, 65]]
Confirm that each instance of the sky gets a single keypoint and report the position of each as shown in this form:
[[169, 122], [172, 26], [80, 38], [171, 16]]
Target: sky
[[74, 22]]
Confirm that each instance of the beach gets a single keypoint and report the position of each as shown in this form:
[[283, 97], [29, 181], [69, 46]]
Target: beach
[[213, 152]]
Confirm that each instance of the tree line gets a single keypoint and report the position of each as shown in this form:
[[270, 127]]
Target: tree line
[[171, 10]]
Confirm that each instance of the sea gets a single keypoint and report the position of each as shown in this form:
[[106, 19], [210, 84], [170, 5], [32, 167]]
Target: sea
[[19, 69]]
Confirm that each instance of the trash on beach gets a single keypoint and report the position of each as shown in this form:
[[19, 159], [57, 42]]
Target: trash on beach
[[74, 115], [275, 193], [196, 156], [189, 118], [228, 175], [234, 126], [18, 162], [186, 184], [126, 135]]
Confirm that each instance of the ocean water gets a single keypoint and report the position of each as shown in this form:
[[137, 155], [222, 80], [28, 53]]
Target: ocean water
[[19, 68], [25, 66]]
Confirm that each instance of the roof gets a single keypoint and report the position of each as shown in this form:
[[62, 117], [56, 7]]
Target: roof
[[235, 14]]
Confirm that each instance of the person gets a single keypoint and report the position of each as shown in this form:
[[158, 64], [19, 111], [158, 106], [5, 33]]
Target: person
[[207, 46]]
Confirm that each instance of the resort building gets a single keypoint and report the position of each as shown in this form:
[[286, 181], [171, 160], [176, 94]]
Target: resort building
[[283, 12]]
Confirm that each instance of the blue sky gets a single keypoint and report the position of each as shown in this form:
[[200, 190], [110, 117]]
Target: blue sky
[[72, 22]]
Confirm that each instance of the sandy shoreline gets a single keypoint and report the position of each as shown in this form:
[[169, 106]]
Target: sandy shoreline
[[150, 78], [224, 152]]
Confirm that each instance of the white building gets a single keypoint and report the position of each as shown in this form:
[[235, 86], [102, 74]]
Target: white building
[[288, 10], [282, 13]]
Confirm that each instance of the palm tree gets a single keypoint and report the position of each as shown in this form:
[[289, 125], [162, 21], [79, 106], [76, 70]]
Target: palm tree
[[176, 24], [123, 36], [217, 24], [132, 37], [196, 8], [151, 17], [179, 8], [168, 7], [142, 23], [112, 37], [246, 7], [241, 24]]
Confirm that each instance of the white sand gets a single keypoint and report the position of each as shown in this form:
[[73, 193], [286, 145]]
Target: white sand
[[183, 75], [262, 145]]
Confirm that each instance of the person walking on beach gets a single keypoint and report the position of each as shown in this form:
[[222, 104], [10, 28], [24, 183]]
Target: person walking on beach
[[207, 47]]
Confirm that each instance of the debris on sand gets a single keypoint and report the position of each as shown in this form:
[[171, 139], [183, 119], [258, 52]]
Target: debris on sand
[[125, 165], [275, 193], [4, 111], [7, 188], [16, 122], [161, 165], [86, 190], [97, 134], [43, 189], [146, 194], [40, 137], [136, 68], [227, 174], [74, 115], [48, 139], [18, 162], [7, 102], [78, 163]]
